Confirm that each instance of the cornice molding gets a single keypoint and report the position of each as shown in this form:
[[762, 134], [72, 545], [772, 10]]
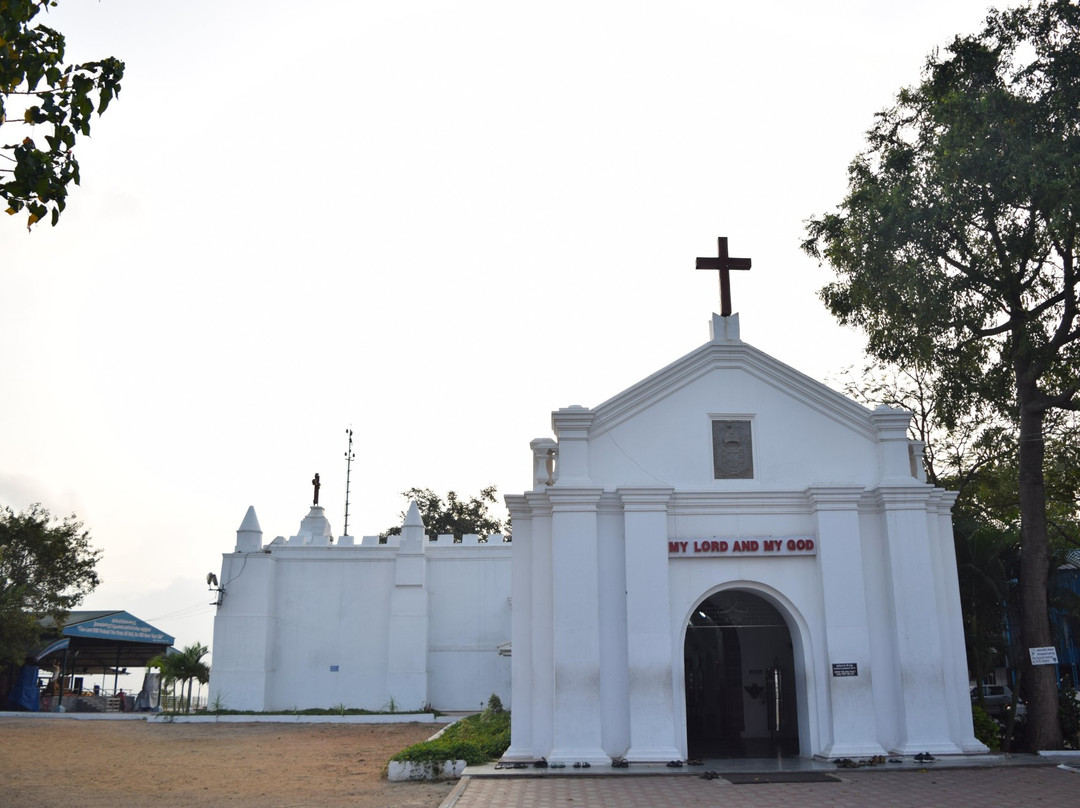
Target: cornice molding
[[733, 356], [644, 498], [575, 499], [834, 497], [687, 503]]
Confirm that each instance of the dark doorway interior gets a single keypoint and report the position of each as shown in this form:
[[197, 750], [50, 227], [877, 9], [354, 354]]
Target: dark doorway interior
[[740, 679]]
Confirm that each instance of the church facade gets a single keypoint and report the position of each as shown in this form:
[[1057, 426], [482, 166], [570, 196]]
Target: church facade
[[731, 558], [728, 558]]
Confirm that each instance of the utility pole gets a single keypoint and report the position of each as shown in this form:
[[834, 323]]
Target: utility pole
[[349, 456]]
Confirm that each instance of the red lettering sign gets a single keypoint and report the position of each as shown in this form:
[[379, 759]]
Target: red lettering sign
[[710, 548]]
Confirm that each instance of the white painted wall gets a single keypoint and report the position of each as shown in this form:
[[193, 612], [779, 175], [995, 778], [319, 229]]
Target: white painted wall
[[295, 609], [597, 675]]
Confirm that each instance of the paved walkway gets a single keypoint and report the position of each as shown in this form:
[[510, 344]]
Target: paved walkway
[[1021, 783]]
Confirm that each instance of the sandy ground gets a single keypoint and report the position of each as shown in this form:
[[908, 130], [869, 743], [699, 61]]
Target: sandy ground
[[47, 763]]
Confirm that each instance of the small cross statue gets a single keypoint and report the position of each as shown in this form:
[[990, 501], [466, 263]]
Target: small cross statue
[[724, 262], [315, 482]]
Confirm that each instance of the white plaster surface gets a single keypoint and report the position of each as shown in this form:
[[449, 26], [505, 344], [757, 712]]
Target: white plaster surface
[[599, 632], [597, 607], [308, 623]]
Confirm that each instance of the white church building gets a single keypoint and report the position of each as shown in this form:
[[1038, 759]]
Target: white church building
[[731, 558], [728, 558]]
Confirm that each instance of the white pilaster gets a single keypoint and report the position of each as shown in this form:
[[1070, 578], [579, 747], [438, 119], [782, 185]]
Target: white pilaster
[[575, 575], [406, 664], [521, 627], [571, 425], [922, 709], [541, 634], [894, 453], [853, 725], [947, 588], [649, 641]]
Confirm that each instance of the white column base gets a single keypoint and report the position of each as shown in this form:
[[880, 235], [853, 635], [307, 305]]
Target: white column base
[[594, 757], [852, 750], [653, 754], [516, 754], [934, 748]]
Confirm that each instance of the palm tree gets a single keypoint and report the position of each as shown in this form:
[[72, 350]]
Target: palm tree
[[192, 667], [184, 667]]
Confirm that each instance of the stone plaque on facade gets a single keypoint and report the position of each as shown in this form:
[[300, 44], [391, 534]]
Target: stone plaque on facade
[[733, 457]]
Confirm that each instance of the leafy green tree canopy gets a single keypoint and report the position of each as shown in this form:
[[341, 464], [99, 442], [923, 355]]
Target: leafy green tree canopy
[[955, 248], [452, 516], [46, 568], [55, 100]]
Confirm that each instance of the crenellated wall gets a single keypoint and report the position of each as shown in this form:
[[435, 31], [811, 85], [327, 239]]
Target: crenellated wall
[[309, 622]]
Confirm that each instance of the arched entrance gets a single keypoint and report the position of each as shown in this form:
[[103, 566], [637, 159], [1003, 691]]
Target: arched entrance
[[740, 679]]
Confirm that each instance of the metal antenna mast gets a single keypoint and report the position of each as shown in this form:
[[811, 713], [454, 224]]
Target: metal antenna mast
[[349, 456]]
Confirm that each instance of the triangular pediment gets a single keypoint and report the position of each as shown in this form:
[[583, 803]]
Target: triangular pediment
[[731, 357]]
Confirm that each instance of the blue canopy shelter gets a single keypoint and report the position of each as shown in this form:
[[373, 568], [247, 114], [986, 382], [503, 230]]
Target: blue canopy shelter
[[101, 642]]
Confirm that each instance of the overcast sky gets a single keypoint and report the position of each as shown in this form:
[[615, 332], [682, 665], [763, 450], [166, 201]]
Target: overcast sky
[[434, 222]]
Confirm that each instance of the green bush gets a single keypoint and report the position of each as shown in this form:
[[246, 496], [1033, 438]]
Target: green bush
[[494, 707], [987, 730], [476, 739]]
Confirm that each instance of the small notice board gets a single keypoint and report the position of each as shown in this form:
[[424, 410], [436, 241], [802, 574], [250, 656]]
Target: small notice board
[[845, 669], [1044, 656]]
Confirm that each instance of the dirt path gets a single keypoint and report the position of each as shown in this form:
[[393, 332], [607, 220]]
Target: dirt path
[[49, 763]]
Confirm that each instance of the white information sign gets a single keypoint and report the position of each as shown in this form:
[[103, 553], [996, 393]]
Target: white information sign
[[1044, 656]]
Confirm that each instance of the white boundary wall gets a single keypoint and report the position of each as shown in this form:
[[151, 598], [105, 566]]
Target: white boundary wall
[[306, 623]]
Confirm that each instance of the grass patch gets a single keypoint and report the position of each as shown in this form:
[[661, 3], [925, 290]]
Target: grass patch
[[476, 739]]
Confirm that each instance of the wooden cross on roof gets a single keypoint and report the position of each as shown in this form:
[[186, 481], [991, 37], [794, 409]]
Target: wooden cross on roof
[[724, 262]]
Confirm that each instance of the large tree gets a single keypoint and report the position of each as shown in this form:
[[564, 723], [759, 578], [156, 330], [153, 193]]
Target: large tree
[[452, 515], [47, 567], [53, 100], [955, 248]]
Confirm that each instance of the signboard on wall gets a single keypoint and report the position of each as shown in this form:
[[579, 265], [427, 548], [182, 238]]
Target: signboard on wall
[[1043, 656], [118, 626], [771, 546]]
